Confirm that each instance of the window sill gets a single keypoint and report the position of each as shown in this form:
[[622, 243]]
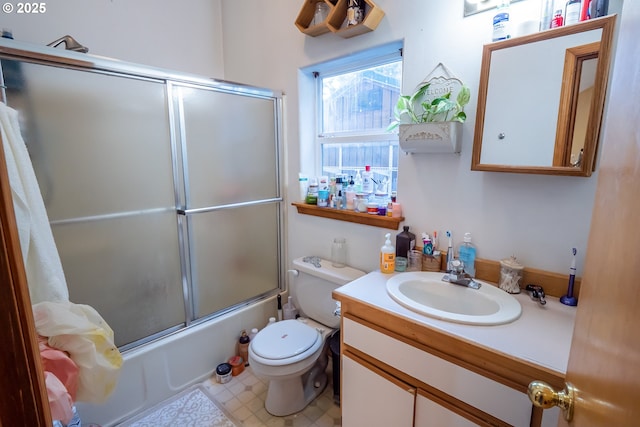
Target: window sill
[[392, 223]]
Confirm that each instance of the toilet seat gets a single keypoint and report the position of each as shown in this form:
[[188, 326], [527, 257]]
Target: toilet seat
[[285, 342]]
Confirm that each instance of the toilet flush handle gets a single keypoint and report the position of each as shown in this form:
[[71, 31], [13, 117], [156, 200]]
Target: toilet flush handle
[[294, 272]]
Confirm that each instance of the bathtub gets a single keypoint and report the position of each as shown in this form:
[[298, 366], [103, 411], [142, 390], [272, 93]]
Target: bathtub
[[156, 371]]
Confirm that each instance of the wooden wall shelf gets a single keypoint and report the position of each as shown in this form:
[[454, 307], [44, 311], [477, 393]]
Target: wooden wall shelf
[[305, 18], [392, 223], [336, 18], [373, 16]]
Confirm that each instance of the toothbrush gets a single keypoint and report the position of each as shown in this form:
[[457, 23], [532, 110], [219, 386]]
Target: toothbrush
[[449, 250], [435, 240], [569, 299]]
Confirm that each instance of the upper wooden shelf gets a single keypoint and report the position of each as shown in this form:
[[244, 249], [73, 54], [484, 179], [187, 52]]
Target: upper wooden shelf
[[392, 223], [335, 21]]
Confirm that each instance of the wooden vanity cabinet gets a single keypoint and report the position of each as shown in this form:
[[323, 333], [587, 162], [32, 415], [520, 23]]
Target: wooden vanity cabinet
[[372, 397], [390, 380]]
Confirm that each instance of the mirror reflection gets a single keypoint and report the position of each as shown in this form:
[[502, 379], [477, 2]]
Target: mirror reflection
[[540, 93], [577, 96]]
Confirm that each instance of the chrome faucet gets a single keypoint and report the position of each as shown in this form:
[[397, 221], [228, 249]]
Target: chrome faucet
[[536, 293], [457, 276]]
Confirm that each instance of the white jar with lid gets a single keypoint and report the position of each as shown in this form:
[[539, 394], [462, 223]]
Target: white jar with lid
[[511, 275]]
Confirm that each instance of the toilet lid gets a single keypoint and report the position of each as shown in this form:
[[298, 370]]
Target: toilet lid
[[285, 339]]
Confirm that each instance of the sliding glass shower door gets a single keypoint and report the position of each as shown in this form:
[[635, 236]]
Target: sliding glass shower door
[[163, 191], [101, 148], [230, 194]]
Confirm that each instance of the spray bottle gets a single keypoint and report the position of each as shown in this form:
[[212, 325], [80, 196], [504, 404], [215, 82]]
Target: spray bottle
[[387, 256]]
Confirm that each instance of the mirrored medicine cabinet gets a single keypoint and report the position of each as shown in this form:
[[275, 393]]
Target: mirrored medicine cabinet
[[541, 99]]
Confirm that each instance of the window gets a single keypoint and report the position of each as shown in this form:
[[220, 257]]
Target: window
[[356, 98]]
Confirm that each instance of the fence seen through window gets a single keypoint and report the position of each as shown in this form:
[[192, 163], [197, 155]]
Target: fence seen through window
[[356, 108]]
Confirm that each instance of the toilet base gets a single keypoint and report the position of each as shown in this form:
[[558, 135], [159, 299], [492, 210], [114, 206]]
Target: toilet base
[[291, 395]]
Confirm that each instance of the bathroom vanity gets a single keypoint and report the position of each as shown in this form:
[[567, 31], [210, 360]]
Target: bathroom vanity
[[402, 368]]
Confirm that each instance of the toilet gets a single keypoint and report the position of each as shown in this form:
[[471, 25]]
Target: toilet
[[293, 354]]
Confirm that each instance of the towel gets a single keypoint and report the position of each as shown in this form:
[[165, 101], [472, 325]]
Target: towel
[[79, 330], [42, 261]]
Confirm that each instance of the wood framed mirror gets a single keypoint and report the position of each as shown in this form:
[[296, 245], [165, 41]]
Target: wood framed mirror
[[533, 105]]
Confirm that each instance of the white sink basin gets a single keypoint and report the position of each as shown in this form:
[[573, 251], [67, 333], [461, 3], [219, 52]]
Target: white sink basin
[[426, 293]]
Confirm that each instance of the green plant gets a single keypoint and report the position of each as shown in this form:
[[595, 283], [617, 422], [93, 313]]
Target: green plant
[[417, 108]]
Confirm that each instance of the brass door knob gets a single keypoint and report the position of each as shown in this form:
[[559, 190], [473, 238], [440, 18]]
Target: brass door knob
[[544, 396]]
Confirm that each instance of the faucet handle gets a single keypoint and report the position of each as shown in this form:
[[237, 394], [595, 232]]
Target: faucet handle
[[457, 266], [537, 293]]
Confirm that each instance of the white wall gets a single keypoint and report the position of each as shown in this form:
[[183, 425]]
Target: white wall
[[536, 218], [162, 33]]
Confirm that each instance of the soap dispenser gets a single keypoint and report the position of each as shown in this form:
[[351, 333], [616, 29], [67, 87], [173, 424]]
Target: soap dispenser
[[387, 256], [467, 254]]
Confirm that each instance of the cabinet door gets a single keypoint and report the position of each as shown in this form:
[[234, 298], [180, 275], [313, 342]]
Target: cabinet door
[[372, 398], [432, 414]]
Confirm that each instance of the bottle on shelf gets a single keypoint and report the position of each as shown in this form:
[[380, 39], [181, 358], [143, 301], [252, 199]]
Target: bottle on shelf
[[358, 182], [599, 8], [585, 12], [501, 25], [351, 194], [572, 12], [558, 19], [345, 185], [546, 14], [332, 192], [339, 196], [367, 180], [312, 194]]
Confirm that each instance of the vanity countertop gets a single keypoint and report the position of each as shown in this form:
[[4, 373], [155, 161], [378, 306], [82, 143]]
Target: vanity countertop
[[540, 336]]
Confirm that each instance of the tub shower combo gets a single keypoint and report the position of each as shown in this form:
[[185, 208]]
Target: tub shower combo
[[164, 194]]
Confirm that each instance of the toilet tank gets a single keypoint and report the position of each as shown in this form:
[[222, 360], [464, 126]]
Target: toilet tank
[[311, 288]]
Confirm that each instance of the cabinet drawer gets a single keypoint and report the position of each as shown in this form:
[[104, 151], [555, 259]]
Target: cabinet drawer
[[483, 393]]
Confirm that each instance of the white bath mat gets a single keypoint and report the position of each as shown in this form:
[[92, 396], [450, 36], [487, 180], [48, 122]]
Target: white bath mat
[[191, 408]]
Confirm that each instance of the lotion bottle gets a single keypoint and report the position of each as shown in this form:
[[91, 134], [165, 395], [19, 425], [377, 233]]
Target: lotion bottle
[[387, 256], [367, 181]]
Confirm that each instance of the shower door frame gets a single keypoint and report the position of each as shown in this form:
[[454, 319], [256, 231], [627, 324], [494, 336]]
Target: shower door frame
[[19, 51]]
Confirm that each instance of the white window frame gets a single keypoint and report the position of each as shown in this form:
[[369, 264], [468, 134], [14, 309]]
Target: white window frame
[[371, 57]]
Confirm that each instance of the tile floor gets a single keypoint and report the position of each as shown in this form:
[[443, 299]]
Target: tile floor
[[243, 399]]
